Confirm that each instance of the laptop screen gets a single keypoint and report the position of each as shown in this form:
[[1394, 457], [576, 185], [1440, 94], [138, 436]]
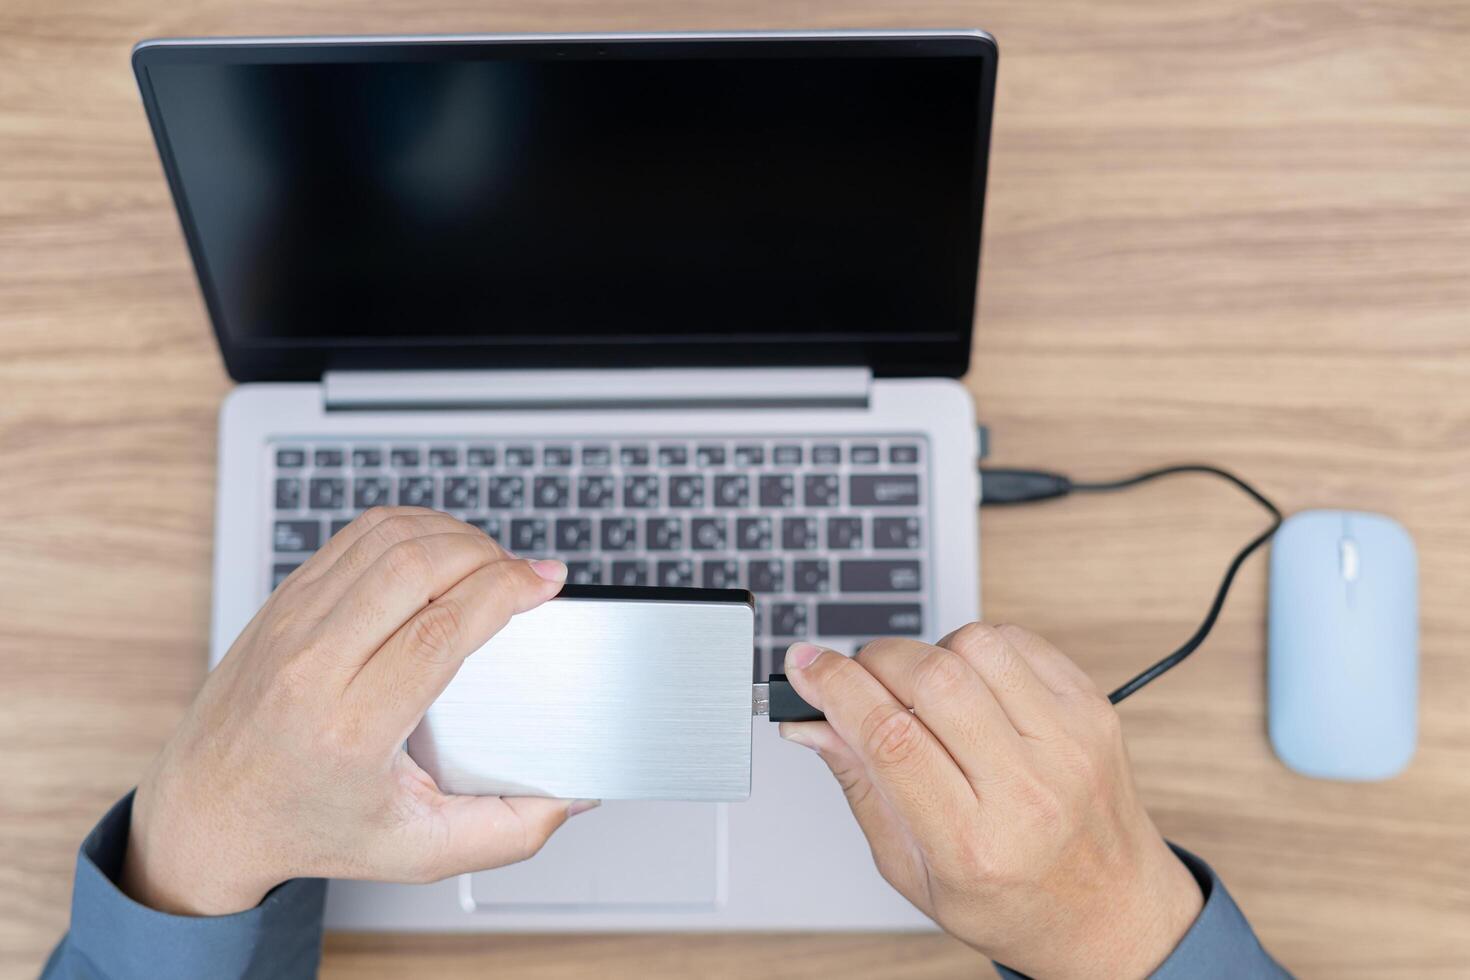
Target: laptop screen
[[555, 203]]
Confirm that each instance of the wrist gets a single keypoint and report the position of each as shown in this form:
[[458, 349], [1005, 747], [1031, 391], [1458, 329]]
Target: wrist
[[182, 862], [1129, 927]]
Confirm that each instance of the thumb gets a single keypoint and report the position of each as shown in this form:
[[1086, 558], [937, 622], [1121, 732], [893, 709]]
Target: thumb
[[492, 831]]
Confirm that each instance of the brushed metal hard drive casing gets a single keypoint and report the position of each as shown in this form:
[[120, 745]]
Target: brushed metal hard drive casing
[[602, 693]]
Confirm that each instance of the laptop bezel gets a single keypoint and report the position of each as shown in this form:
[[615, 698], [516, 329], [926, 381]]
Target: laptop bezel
[[945, 355]]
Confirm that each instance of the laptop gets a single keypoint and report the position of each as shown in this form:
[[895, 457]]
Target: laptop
[[679, 309]]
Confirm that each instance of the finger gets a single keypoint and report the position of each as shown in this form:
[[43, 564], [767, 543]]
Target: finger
[[404, 578], [887, 838], [952, 701], [417, 662], [1056, 670], [482, 832], [1030, 705], [333, 582], [904, 760], [338, 544]]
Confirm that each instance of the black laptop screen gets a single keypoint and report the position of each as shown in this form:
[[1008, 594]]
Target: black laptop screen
[[520, 197]]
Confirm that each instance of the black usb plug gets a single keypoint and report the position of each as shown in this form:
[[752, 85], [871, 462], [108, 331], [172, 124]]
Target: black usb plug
[[778, 701]]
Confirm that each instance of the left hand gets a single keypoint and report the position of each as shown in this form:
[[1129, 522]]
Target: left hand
[[290, 761]]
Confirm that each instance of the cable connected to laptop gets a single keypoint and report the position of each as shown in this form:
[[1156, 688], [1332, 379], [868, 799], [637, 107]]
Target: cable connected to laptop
[[1009, 487]]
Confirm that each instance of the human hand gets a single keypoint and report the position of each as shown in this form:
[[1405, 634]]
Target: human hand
[[290, 761], [1002, 805]]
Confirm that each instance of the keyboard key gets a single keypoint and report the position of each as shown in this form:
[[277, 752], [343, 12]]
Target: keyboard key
[[788, 619], [858, 575], [865, 455], [556, 456], [766, 575], [297, 536], [732, 491], [800, 533], [630, 572], [279, 573], [336, 526], [520, 456], [883, 490], [574, 534], [328, 458], [708, 533], [865, 620], [710, 455], [686, 491], [903, 453], [633, 455], [786, 455], [896, 532], [778, 490], [416, 491], [618, 533], [722, 574], [480, 456], [585, 572], [844, 533], [288, 494], [750, 455], [673, 456], [664, 534], [676, 574], [753, 534], [552, 492], [826, 455], [404, 456], [443, 457], [528, 535], [462, 493], [596, 455], [640, 492], [810, 575], [290, 459], [370, 491], [505, 492], [820, 489], [328, 493], [367, 458], [490, 526], [595, 492]]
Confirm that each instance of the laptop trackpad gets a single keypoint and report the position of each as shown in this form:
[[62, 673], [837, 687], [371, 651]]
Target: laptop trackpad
[[623, 854]]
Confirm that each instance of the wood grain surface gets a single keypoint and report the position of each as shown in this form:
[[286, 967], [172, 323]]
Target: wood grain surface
[[1227, 230]]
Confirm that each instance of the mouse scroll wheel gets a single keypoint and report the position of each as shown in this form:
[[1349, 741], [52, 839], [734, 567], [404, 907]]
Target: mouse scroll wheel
[[1347, 554]]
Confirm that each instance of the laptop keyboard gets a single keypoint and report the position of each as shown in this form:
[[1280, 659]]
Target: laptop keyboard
[[830, 534]]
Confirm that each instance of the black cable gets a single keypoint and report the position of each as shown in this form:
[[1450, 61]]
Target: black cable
[[1011, 486]]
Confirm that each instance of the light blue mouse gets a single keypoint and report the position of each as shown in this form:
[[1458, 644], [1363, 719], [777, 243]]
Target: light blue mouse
[[1343, 646]]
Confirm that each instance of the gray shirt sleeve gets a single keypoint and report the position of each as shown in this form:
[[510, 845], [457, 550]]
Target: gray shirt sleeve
[[1219, 946], [115, 938]]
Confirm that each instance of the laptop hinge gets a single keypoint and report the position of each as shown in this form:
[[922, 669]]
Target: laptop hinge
[[619, 388]]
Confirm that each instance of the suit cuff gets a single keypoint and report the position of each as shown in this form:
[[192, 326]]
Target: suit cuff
[[1220, 945], [280, 937]]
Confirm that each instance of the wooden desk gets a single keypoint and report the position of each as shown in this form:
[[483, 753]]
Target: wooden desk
[[1222, 230]]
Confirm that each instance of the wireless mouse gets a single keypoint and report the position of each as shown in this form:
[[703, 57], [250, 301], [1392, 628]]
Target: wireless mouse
[[1343, 645]]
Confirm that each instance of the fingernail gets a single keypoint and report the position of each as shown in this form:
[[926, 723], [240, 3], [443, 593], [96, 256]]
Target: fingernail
[[550, 569], [582, 806], [800, 655], [798, 736]]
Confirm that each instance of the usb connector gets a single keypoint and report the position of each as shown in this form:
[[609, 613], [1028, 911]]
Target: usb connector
[[777, 700]]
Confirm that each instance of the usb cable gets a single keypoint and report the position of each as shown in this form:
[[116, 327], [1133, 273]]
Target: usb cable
[[778, 701]]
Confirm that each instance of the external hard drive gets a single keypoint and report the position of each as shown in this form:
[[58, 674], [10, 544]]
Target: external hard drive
[[606, 693]]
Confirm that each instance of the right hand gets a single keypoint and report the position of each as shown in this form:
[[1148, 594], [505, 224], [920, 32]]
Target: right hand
[[290, 761], [1002, 804]]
